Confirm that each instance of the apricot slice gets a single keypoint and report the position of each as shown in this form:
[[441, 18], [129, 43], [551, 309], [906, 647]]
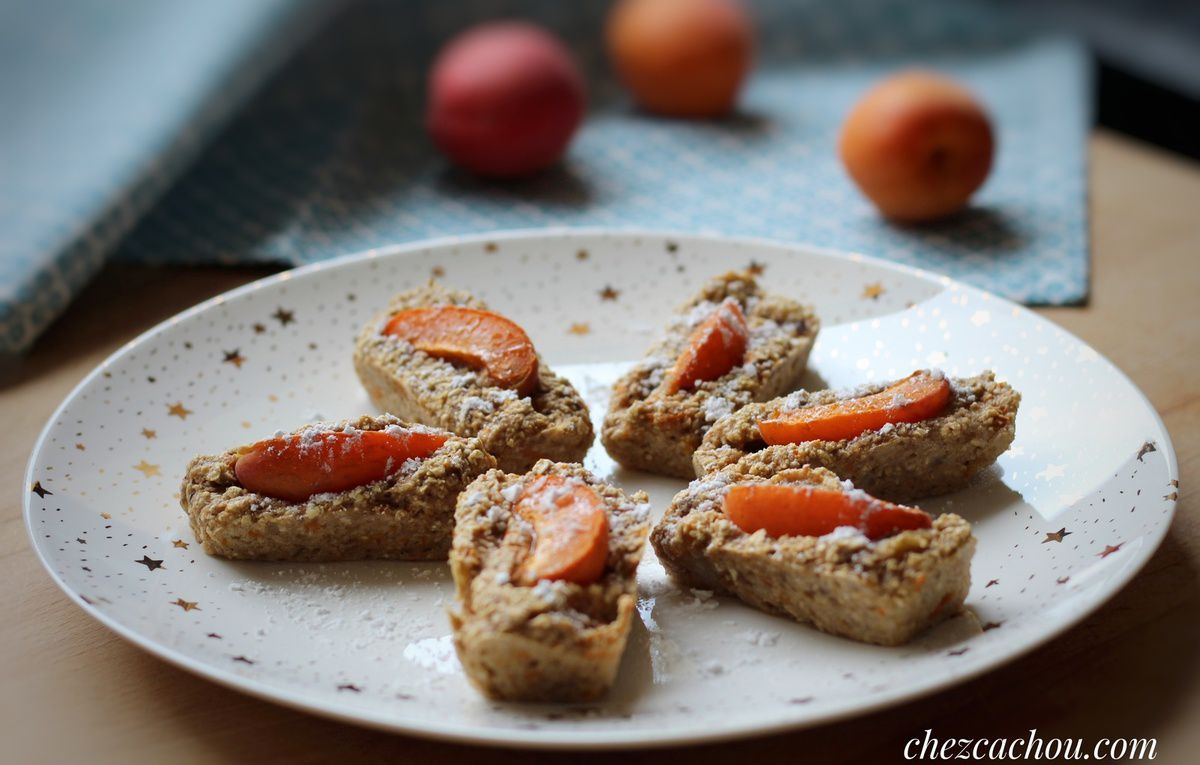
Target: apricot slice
[[479, 339], [796, 510], [917, 397], [716, 345], [295, 467], [570, 530]]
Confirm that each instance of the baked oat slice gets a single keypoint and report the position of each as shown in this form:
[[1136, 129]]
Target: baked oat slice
[[518, 408], [302, 506], [520, 635], [900, 461], [883, 591], [758, 349]]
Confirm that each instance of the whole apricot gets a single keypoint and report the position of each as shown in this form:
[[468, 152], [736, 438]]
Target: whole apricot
[[681, 58], [505, 98], [918, 145]]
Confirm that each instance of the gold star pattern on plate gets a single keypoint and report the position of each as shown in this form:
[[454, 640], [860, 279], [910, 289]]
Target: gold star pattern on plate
[[106, 516], [1057, 536], [872, 291], [180, 544], [1146, 449], [80, 447], [178, 410], [40, 490], [756, 268], [582, 255], [234, 357], [283, 316], [437, 272], [186, 605], [147, 469], [150, 563], [148, 434], [580, 328], [490, 247], [609, 293], [259, 328], [1110, 549]]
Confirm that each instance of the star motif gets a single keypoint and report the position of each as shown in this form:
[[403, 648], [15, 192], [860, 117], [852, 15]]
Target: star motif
[[490, 247], [147, 433], [1147, 447], [437, 272], [259, 327], [1110, 549], [1057, 536], [609, 293], [147, 469], [580, 328], [349, 687], [180, 544], [150, 563], [1062, 580], [991, 626], [243, 660], [1052, 471], [39, 490], [234, 357], [283, 317], [106, 516], [581, 255], [872, 291], [991, 582], [177, 410], [80, 447], [186, 605]]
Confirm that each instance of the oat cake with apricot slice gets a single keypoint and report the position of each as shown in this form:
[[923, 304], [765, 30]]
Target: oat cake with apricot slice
[[728, 346], [439, 357]]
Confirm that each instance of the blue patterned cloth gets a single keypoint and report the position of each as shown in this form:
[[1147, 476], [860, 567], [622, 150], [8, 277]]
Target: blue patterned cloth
[[331, 157]]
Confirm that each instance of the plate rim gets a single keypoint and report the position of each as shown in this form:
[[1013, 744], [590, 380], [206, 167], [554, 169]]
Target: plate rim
[[580, 740]]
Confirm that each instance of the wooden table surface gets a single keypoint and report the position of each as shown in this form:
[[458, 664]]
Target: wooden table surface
[[75, 692]]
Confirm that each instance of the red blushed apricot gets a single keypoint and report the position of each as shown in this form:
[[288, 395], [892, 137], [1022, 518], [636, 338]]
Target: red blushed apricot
[[570, 531], [681, 58], [505, 98], [480, 339], [295, 467], [918, 145]]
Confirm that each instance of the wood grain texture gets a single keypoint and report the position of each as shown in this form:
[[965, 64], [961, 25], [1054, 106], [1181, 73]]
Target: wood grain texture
[[74, 692]]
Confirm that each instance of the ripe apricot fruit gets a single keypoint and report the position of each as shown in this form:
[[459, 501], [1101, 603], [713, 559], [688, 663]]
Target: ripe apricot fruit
[[918, 145]]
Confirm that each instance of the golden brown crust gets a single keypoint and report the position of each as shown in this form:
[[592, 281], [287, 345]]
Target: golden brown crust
[[407, 516], [901, 463], [882, 592], [553, 423], [554, 641], [649, 429]]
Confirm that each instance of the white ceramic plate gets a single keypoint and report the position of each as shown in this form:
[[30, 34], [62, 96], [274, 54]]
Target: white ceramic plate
[[1070, 513]]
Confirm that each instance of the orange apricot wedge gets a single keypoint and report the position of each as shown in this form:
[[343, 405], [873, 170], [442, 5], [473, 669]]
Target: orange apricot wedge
[[716, 345], [917, 397], [796, 510], [570, 531], [479, 339], [295, 467]]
